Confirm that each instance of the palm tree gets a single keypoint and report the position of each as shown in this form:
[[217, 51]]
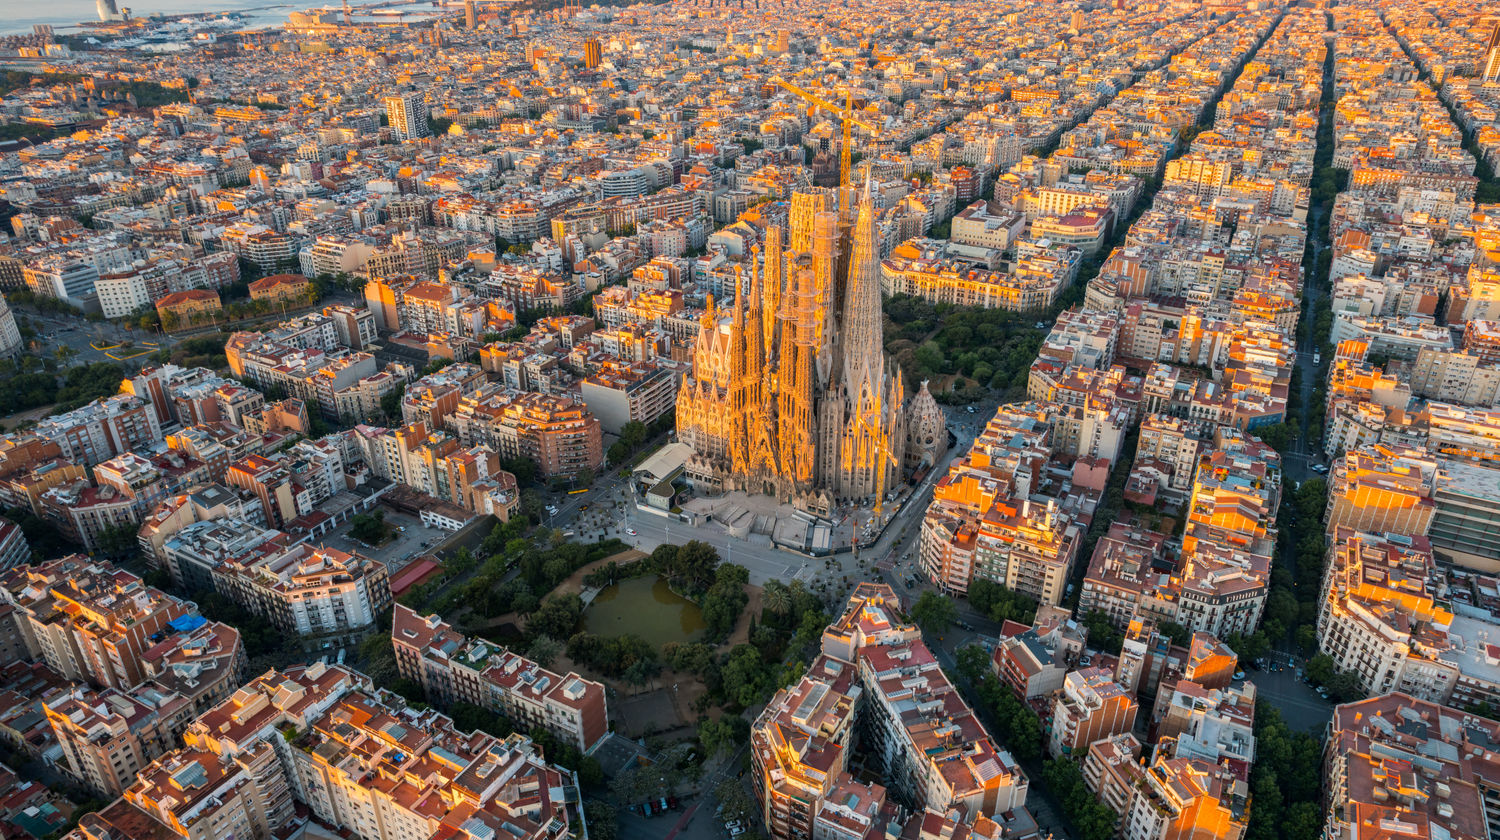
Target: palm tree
[[776, 597], [798, 591]]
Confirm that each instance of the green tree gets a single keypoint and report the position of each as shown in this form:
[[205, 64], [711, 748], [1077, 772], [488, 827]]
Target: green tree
[[603, 821], [723, 735], [1103, 634], [1320, 669], [731, 794], [556, 617], [369, 528], [745, 676], [1180, 636], [544, 649], [776, 597], [633, 434], [933, 612], [390, 402]]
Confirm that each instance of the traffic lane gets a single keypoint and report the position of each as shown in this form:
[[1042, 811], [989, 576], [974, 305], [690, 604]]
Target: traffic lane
[[1302, 708], [570, 504]]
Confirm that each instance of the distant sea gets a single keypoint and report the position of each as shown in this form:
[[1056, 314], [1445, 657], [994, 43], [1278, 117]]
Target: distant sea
[[17, 16]]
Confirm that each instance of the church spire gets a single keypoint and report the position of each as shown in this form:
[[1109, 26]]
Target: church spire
[[863, 335]]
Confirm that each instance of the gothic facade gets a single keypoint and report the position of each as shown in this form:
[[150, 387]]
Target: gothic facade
[[790, 393]]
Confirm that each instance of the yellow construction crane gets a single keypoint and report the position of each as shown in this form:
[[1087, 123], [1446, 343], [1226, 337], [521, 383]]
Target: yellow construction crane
[[846, 116]]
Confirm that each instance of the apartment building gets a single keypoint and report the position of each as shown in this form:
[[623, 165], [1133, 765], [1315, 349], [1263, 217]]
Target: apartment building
[[1131, 576], [108, 736], [1034, 661], [355, 326], [1091, 707], [13, 547], [10, 334], [875, 678], [1396, 759], [1112, 770], [1007, 461], [1025, 546], [561, 436], [800, 748], [94, 623], [619, 393], [1184, 797], [453, 668], [1378, 618], [90, 621], [407, 115], [980, 226], [1465, 501], [211, 504], [306, 590], [102, 429], [322, 737], [1223, 584], [281, 498], [917, 723], [1382, 489], [1216, 725]]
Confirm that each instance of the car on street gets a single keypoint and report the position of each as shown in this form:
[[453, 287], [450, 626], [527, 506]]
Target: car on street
[[631, 531], [1239, 675]]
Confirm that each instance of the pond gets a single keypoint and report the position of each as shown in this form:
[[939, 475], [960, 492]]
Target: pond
[[646, 607]]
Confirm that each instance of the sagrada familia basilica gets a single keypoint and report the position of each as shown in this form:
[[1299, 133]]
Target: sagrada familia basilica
[[791, 394]]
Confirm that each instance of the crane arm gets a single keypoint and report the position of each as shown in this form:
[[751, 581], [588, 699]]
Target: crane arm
[[842, 112]]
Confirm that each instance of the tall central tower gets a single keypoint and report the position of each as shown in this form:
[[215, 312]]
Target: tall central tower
[[792, 394]]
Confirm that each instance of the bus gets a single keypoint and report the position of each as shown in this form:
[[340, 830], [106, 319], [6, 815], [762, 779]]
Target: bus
[[579, 490]]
